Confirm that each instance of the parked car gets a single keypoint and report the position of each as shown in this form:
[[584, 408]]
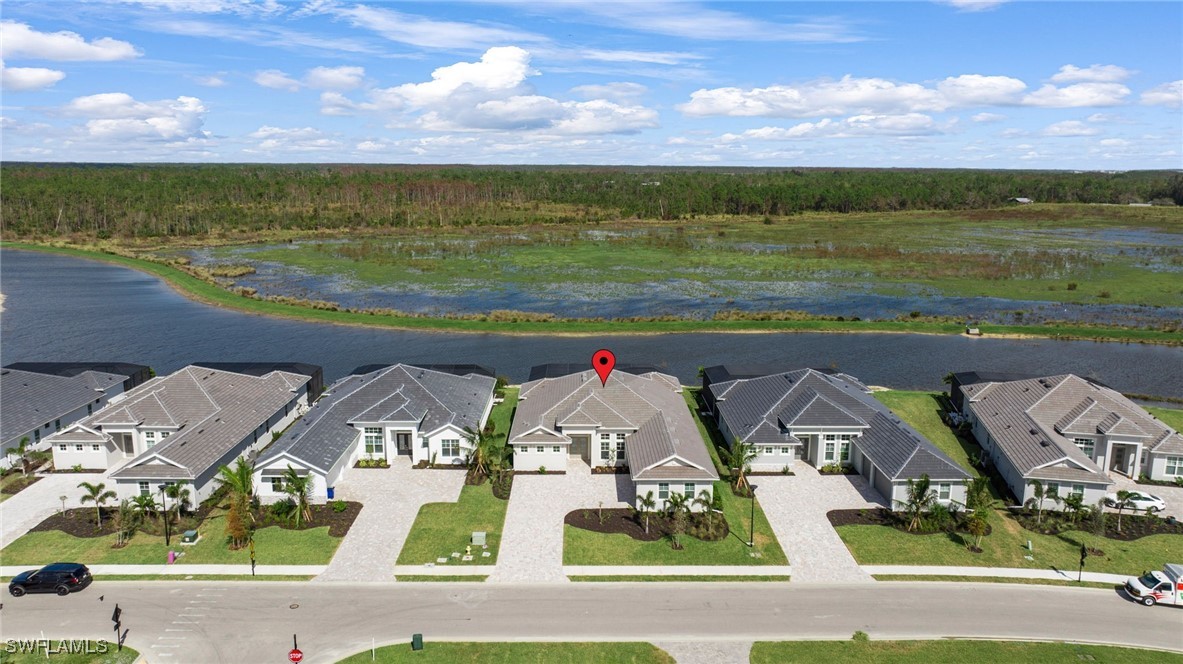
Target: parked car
[[1139, 501], [60, 578]]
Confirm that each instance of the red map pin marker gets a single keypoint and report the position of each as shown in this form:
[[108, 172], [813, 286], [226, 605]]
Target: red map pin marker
[[603, 362]]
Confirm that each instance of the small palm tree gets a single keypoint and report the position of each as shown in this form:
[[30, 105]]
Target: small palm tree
[[1124, 499], [22, 451], [977, 526], [978, 496], [145, 504], [99, 494], [705, 501], [1036, 500], [179, 494], [480, 460], [299, 489], [676, 506], [739, 458], [646, 505], [1074, 504], [921, 498], [127, 518]]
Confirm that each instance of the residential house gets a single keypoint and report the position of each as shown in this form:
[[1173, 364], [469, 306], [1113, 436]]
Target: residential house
[[183, 427], [828, 418], [38, 399], [380, 413], [639, 422], [1068, 432]]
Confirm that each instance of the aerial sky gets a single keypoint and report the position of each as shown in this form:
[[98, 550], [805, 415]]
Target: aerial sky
[[952, 84]]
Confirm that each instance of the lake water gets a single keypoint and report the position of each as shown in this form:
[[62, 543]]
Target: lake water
[[60, 308]]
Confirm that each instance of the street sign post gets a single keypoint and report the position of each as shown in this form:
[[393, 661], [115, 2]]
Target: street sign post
[[295, 656]]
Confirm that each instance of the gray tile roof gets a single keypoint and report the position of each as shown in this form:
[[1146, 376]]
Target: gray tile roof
[[761, 410], [1034, 419], [214, 409], [400, 392], [664, 434], [29, 400]]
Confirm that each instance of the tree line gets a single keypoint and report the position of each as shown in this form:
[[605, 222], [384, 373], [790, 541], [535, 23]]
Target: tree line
[[182, 200]]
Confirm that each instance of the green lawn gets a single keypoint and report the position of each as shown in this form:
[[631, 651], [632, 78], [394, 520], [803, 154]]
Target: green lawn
[[909, 652], [6, 481], [584, 547], [430, 578], [680, 578], [518, 653], [273, 546], [1006, 545], [707, 429], [443, 528], [109, 654], [992, 579], [1173, 417]]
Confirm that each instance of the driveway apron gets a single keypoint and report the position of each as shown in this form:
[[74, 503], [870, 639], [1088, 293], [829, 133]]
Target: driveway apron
[[42, 499], [391, 498], [796, 507]]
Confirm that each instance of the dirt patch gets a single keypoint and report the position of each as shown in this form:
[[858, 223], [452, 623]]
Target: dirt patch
[[880, 516], [16, 486], [622, 521], [339, 523], [1132, 527]]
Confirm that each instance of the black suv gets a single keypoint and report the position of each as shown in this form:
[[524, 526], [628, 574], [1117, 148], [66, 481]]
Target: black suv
[[60, 578]]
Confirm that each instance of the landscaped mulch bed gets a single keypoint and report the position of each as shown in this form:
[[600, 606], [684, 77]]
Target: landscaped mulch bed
[[1132, 527], [610, 470], [880, 516], [17, 485], [339, 523], [621, 520]]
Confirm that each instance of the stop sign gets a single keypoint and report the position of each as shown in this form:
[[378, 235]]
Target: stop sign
[[295, 656]]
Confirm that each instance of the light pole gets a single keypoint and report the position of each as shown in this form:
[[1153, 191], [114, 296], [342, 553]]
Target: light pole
[[164, 508], [752, 532]]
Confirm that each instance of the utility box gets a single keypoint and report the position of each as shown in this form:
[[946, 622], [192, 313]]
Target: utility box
[[417, 642], [478, 538], [189, 537]]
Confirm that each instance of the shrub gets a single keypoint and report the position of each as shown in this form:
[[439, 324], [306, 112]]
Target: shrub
[[282, 509], [76, 468], [860, 637], [1071, 285], [1104, 294], [541, 470], [717, 502], [785, 470], [339, 506]]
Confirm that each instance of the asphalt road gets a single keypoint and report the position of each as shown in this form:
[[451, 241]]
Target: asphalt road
[[238, 622]]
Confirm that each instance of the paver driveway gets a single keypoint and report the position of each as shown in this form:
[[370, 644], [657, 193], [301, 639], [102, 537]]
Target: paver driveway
[[532, 543], [391, 498], [33, 505], [1173, 495], [796, 507]]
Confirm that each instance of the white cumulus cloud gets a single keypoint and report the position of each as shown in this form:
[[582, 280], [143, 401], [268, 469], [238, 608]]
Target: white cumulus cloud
[[1077, 95], [22, 79], [904, 125], [335, 78], [1070, 128], [618, 91], [276, 80], [119, 116], [297, 139], [1095, 73], [988, 117], [19, 40], [1167, 94]]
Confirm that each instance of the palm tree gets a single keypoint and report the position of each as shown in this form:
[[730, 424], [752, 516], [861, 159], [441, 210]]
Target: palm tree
[[100, 495], [482, 451], [299, 489], [240, 482], [145, 504], [1036, 500], [978, 496], [647, 505], [676, 506], [1123, 501], [921, 498], [22, 451], [126, 520], [739, 458], [976, 525], [705, 501], [1074, 503], [180, 497]]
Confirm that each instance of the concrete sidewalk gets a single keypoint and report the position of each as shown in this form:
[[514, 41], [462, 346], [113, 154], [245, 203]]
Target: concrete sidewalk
[[677, 570], [182, 569], [994, 572]]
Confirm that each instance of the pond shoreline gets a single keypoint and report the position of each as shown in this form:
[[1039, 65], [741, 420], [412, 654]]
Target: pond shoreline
[[201, 291]]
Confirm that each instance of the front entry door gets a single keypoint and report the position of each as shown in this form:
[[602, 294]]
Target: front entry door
[[1118, 459], [403, 442], [579, 447]]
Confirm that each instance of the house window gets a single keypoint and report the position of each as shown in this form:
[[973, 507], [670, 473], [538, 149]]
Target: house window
[[688, 489], [61, 448], [164, 434], [1052, 489], [943, 491], [78, 447], [47, 425], [144, 490], [90, 409], [829, 451], [37, 435], [784, 450], [830, 437], [620, 437], [605, 447], [663, 490], [95, 447], [605, 436], [556, 448], [1174, 466], [1085, 445], [619, 448], [374, 441], [1078, 490], [845, 450], [540, 448], [149, 439], [451, 447], [277, 484], [57, 425], [769, 450], [523, 448]]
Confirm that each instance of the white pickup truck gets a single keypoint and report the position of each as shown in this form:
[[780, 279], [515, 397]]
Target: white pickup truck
[[1154, 587]]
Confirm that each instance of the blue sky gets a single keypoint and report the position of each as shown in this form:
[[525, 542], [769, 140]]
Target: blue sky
[[961, 83]]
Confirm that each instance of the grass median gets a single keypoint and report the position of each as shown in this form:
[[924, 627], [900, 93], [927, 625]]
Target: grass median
[[446, 652], [908, 652]]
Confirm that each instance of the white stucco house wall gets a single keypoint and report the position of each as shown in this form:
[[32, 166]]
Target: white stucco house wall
[[400, 410]]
